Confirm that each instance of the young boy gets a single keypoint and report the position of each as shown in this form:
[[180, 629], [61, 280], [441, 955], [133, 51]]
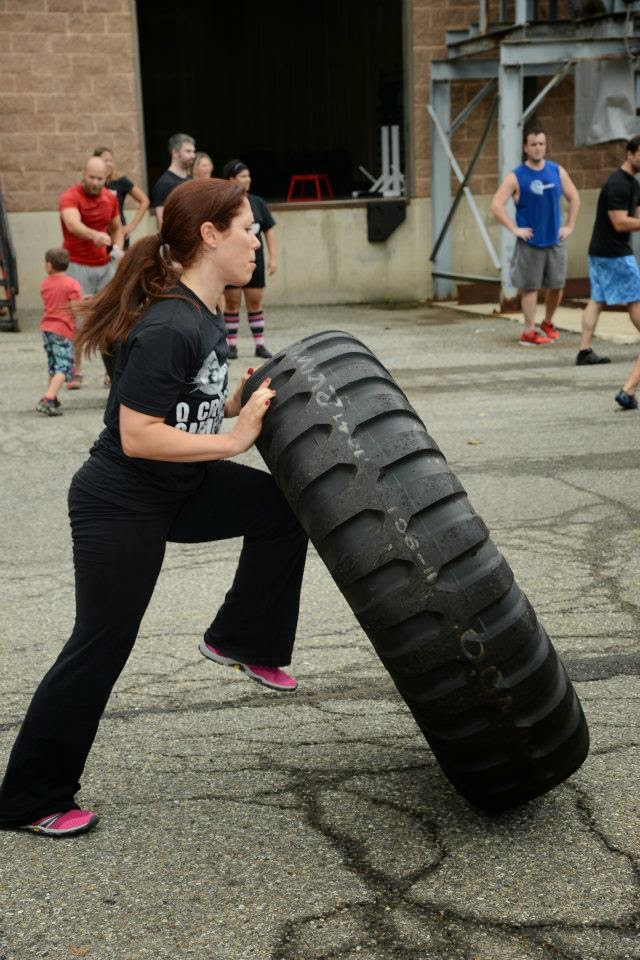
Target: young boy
[[58, 326]]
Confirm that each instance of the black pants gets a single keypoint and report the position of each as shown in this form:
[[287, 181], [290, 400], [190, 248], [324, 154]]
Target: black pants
[[117, 558]]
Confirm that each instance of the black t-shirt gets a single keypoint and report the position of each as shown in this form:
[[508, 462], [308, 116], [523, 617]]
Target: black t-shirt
[[174, 366], [262, 216], [163, 187], [620, 192], [121, 186]]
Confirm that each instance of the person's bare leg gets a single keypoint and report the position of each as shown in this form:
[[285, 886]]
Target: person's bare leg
[[529, 302], [634, 313], [552, 301], [232, 299], [632, 381], [589, 321], [54, 385]]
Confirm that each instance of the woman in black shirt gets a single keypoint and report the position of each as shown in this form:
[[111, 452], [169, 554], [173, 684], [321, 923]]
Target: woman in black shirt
[[160, 472], [238, 172], [123, 187]]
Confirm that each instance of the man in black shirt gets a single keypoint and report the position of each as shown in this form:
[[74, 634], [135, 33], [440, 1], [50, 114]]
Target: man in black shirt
[[613, 269], [182, 149]]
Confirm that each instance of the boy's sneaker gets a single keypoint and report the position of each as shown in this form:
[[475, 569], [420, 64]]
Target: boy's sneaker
[[272, 677], [263, 353], [588, 357], [233, 353], [531, 338], [64, 824], [50, 407], [626, 400], [550, 330]]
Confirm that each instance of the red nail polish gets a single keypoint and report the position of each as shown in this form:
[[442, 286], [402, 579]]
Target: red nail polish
[[267, 402], [250, 370]]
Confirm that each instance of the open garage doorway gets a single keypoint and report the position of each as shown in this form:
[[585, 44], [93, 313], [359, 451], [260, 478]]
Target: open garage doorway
[[289, 87]]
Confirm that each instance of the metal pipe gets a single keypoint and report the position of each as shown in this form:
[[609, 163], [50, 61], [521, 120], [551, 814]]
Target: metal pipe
[[470, 198], [466, 112], [546, 89], [467, 177]]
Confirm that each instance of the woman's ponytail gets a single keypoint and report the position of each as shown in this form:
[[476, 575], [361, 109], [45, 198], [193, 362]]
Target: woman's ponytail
[[143, 275], [152, 266]]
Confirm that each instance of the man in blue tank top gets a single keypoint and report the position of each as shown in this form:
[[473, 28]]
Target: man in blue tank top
[[540, 259]]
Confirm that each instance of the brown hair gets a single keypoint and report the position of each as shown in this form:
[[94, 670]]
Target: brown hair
[[98, 153], [145, 274], [532, 130], [58, 258]]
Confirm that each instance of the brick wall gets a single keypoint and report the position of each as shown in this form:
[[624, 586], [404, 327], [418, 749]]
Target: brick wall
[[588, 166], [67, 85]]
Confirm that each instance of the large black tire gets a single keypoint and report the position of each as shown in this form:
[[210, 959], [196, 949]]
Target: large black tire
[[417, 566]]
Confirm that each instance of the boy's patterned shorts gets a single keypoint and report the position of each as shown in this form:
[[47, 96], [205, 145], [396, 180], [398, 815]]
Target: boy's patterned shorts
[[60, 354]]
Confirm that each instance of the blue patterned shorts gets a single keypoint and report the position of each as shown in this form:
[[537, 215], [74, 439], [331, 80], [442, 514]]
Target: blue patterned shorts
[[614, 280], [60, 354]]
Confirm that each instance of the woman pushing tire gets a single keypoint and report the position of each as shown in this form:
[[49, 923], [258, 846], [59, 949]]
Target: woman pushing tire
[[416, 564]]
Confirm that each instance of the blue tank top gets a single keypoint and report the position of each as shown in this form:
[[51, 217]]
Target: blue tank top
[[538, 206]]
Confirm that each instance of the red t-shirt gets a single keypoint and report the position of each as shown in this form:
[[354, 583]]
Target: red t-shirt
[[57, 292], [96, 212]]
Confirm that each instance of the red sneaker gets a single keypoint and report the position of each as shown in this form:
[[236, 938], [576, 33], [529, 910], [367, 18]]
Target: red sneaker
[[272, 677], [531, 338], [550, 330]]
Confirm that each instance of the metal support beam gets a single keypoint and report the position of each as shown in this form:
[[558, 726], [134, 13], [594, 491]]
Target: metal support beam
[[485, 69], [510, 154], [455, 166], [526, 11], [484, 16], [463, 186], [473, 103], [533, 106], [520, 53], [440, 114]]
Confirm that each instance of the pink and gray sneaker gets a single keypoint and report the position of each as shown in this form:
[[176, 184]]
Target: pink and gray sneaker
[[272, 677], [64, 824]]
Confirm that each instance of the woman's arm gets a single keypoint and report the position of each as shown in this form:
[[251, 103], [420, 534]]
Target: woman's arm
[[270, 238], [151, 438], [143, 205]]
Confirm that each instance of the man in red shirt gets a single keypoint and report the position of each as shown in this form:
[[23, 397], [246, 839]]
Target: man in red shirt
[[92, 232]]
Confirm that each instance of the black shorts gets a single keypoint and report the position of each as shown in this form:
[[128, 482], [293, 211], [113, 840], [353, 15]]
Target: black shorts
[[257, 280]]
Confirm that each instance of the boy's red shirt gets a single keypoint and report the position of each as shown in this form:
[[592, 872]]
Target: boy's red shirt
[[57, 292]]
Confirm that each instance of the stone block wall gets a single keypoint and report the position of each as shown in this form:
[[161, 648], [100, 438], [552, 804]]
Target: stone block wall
[[67, 84]]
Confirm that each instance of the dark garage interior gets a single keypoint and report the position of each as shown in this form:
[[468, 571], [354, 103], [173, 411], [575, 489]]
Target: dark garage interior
[[289, 88]]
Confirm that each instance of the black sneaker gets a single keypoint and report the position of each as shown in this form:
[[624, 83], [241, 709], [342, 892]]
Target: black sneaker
[[49, 408], [626, 400], [263, 353], [587, 357], [233, 353]]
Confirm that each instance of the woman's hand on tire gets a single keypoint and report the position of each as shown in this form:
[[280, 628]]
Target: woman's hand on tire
[[234, 404], [249, 424]]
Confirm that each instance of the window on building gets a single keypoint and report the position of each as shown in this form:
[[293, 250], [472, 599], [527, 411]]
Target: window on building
[[288, 87]]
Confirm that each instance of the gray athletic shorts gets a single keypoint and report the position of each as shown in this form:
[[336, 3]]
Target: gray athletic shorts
[[538, 268], [91, 279]]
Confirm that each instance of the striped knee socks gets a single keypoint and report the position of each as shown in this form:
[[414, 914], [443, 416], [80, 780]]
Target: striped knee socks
[[256, 323], [232, 321]]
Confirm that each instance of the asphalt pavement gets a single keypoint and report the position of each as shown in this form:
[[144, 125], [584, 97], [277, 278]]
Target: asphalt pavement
[[242, 824]]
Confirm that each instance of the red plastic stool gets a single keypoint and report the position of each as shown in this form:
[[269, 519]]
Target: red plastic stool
[[318, 181]]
